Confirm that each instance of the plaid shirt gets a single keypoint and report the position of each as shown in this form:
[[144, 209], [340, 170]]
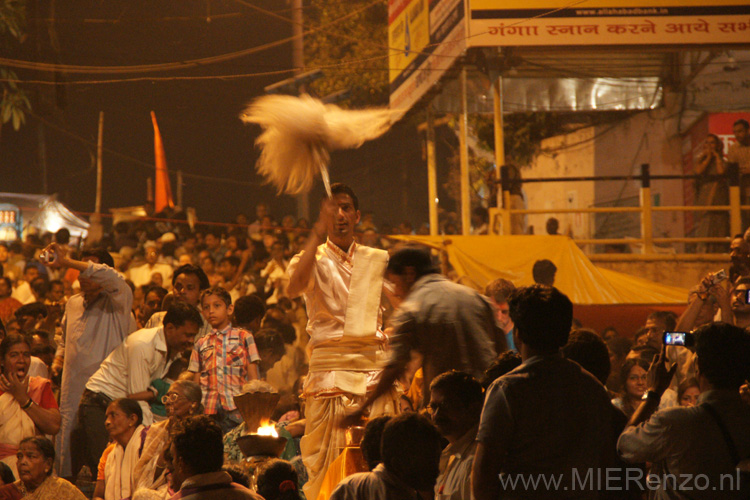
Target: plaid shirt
[[221, 358]]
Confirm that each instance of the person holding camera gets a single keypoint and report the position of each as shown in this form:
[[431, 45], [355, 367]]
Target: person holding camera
[[96, 321], [701, 446], [705, 300]]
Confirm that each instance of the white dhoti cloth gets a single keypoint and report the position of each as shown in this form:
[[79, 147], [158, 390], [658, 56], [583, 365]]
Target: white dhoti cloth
[[324, 439], [348, 349]]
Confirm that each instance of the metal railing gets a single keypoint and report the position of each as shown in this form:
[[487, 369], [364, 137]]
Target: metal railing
[[645, 209]]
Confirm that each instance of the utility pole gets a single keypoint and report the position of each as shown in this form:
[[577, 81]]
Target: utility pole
[[432, 172], [497, 94], [42, 155], [298, 63], [463, 123], [100, 135], [179, 188], [96, 231]]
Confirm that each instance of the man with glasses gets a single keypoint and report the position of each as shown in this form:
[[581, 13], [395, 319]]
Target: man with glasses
[[145, 355]]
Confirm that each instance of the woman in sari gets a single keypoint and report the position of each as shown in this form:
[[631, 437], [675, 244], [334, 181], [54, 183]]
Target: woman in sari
[[35, 458], [115, 480], [183, 399], [27, 406]]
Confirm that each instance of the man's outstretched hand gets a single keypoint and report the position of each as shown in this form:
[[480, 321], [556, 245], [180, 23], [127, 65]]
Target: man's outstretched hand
[[351, 419]]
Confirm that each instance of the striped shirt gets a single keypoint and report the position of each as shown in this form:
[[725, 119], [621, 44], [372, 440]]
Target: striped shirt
[[222, 358]]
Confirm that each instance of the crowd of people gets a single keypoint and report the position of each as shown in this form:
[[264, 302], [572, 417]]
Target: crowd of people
[[121, 363]]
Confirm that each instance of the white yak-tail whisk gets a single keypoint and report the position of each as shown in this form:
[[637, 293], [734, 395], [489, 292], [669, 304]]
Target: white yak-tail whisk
[[299, 133]]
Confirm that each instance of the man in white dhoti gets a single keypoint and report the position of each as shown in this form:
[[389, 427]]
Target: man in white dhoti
[[96, 321], [342, 283]]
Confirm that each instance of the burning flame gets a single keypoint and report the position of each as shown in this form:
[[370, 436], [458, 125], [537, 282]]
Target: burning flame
[[267, 430]]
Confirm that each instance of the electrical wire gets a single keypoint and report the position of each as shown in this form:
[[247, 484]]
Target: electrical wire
[[197, 78], [200, 62], [342, 66], [149, 68]]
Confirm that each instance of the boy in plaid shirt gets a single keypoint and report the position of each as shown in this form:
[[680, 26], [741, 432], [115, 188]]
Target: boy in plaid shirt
[[223, 360]]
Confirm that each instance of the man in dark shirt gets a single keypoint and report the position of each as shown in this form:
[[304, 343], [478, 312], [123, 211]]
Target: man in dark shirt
[[410, 449], [194, 460], [549, 420]]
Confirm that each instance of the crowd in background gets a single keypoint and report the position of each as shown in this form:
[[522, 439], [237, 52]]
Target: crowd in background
[[160, 438]]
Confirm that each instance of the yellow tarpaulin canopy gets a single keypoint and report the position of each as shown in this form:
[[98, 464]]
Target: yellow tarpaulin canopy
[[481, 259]]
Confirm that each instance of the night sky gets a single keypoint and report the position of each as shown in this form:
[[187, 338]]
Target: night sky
[[198, 118]]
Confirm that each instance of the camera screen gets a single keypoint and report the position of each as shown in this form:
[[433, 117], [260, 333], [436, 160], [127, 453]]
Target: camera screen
[[674, 338]]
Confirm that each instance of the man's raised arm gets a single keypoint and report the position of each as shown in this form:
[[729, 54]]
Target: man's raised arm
[[301, 273], [106, 277]]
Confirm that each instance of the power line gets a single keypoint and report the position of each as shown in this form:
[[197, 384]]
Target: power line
[[149, 68], [197, 78], [334, 67]]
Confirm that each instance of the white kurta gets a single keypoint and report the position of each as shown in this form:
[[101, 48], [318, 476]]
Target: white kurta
[[340, 379], [326, 297], [90, 333]]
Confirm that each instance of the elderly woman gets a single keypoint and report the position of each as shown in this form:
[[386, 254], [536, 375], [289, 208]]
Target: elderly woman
[[35, 458], [115, 479], [27, 405], [183, 399]]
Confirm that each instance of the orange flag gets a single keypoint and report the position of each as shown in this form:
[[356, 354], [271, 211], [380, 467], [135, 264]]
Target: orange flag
[[163, 191]]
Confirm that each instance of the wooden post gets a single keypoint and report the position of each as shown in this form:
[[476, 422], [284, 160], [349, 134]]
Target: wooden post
[[432, 173], [179, 189], [646, 223], [505, 193], [298, 63], [735, 199], [497, 93], [463, 133], [99, 140]]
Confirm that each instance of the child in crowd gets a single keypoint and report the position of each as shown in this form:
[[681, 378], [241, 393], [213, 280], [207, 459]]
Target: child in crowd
[[223, 360], [160, 387]]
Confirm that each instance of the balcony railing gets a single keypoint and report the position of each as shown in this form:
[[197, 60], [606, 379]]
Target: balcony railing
[[646, 241]]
